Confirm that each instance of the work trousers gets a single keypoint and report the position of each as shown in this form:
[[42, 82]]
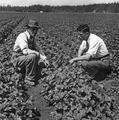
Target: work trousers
[[30, 62], [97, 68]]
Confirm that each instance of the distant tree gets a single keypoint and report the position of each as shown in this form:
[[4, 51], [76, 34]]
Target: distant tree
[[110, 7]]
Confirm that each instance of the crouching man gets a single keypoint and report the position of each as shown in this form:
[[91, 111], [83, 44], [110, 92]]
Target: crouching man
[[92, 53], [25, 53]]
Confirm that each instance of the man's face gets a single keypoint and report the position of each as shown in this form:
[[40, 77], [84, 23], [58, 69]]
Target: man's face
[[83, 36], [34, 31]]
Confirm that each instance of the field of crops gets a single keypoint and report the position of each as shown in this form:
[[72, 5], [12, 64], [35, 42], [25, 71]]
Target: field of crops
[[65, 92]]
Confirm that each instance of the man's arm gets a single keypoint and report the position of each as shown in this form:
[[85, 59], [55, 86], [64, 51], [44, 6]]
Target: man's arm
[[43, 57], [23, 44], [81, 58], [41, 54], [82, 48], [80, 52], [27, 51]]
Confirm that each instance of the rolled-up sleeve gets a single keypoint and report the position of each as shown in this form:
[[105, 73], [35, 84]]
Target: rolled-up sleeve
[[22, 41], [83, 45]]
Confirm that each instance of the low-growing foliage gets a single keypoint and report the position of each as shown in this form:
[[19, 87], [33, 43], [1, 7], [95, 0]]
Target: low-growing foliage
[[66, 92]]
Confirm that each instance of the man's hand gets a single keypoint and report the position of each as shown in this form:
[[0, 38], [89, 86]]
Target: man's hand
[[43, 63], [77, 59], [46, 62], [37, 53], [43, 57], [29, 51], [71, 61]]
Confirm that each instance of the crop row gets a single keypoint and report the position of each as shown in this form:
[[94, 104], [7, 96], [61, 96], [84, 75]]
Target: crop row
[[7, 28], [14, 101], [4, 21], [67, 88]]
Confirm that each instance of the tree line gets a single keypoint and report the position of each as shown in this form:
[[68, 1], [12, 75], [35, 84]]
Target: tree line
[[105, 8]]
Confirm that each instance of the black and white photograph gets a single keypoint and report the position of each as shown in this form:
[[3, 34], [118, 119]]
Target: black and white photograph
[[59, 60]]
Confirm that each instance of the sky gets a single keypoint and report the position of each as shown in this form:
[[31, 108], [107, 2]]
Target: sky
[[52, 2]]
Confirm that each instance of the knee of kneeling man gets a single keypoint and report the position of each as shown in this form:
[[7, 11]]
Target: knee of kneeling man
[[84, 64], [33, 56]]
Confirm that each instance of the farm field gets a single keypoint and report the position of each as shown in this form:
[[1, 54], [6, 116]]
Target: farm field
[[65, 92]]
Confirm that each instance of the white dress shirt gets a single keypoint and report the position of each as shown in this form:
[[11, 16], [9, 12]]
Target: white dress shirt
[[97, 47], [22, 43]]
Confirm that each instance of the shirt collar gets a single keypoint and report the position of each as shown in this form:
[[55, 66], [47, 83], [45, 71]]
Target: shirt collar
[[27, 33]]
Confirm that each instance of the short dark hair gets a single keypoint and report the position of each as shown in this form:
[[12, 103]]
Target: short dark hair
[[83, 28]]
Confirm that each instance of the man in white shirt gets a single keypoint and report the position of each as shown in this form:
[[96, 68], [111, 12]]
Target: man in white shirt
[[93, 53], [26, 54]]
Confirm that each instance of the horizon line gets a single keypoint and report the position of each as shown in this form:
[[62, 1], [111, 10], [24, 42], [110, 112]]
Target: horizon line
[[57, 5]]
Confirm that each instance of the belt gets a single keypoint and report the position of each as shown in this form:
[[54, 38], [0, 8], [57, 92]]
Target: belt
[[107, 55], [104, 56]]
